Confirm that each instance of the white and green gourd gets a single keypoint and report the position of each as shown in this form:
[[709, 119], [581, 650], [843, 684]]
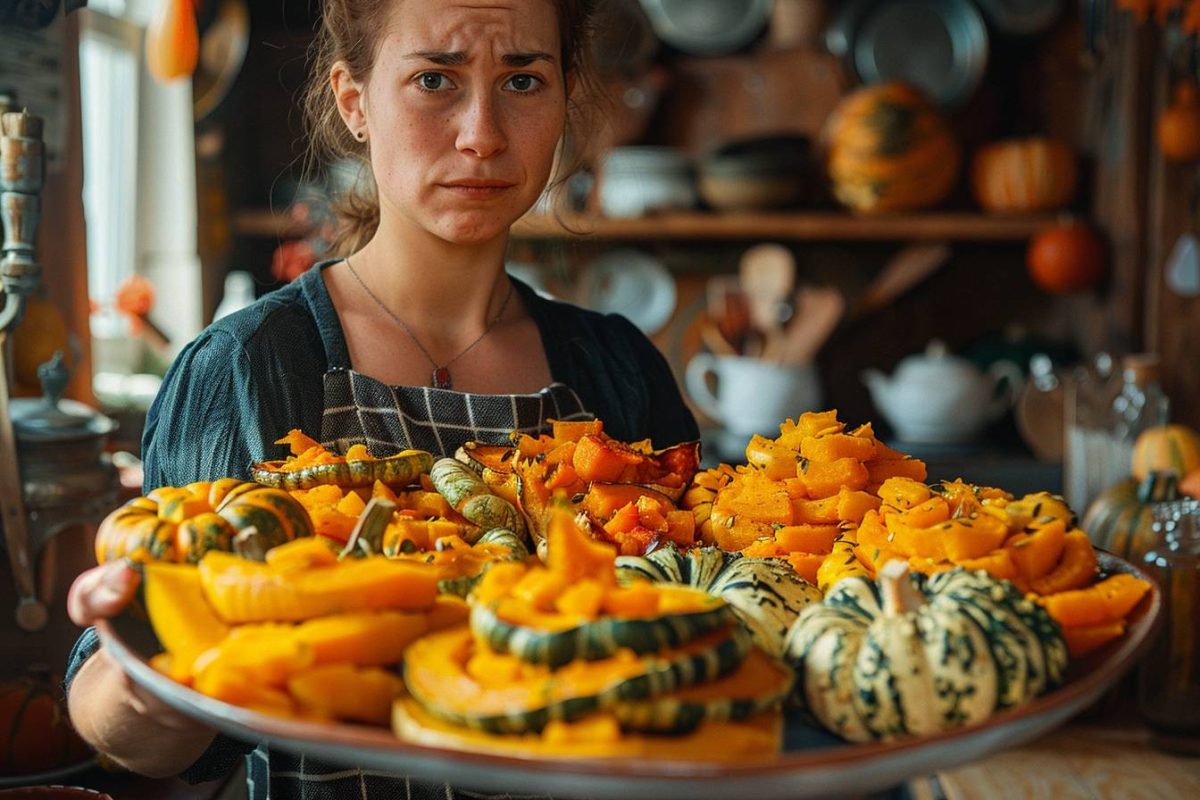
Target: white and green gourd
[[765, 594], [910, 655]]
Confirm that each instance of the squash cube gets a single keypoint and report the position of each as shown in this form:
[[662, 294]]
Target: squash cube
[[1038, 548], [825, 478], [833, 446], [806, 538], [964, 538], [902, 493]]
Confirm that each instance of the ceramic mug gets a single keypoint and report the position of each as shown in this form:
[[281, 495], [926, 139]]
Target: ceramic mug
[[752, 396]]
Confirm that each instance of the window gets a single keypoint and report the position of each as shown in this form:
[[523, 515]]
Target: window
[[109, 50]]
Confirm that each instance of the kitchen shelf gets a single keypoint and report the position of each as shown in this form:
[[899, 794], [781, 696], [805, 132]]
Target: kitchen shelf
[[695, 225], [813, 226]]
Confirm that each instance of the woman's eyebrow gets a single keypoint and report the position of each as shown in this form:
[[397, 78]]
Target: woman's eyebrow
[[454, 58]]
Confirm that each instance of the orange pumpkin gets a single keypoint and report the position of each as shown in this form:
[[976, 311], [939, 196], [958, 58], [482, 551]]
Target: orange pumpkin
[[35, 732], [173, 41], [1166, 448], [888, 149], [1178, 129], [1190, 485], [1021, 175], [1066, 257]]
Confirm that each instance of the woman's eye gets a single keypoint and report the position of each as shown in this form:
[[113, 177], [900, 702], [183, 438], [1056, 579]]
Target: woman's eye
[[525, 83], [433, 81]]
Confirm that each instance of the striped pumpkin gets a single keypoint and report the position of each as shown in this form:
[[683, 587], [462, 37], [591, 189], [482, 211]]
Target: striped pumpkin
[[1024, 175], [35, 732], [1119, 519], [183, 523], [1166, 448], [888, 149]]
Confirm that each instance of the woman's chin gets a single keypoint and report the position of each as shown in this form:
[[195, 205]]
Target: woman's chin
[[472, 228]]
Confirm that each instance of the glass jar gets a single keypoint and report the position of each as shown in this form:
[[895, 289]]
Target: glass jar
[[1169, 676]]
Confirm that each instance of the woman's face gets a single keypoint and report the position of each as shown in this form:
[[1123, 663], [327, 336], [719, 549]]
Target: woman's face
[[464, 109]]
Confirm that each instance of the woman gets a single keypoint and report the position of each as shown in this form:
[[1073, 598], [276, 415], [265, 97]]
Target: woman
[[416, 338]]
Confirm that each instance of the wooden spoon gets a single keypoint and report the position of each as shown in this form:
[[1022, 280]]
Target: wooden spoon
[[904, 270], [818, 311], [767, 273]]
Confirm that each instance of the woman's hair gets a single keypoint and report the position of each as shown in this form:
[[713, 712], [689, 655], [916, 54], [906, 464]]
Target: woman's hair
[[350, 31]]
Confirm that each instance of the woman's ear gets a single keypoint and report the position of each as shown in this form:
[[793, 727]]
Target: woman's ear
[[351, 98]]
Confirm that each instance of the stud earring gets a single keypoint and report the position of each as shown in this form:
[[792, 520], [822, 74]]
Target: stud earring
[[361, 135]]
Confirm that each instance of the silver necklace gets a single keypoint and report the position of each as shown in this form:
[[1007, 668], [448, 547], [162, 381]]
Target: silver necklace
[[441, 372]]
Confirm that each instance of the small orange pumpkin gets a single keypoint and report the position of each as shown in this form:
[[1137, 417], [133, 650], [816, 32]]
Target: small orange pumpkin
[[1178, 129], [35, 732], [1190, 485], [1166, 448], [1065, 257], [888, 149], [1023, 175]]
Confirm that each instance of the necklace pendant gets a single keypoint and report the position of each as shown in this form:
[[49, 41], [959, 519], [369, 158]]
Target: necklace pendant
[[441, 378]]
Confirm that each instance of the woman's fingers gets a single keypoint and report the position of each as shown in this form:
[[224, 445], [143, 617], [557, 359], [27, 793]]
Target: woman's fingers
[[101, 592]]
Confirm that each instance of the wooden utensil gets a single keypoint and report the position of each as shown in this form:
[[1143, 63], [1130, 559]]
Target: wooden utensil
[[767, 273], [714, 340], [913, 264], [818, 311], [729, 310]]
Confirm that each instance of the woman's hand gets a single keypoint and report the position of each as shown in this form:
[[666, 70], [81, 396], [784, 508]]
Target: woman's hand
[[110, 711]]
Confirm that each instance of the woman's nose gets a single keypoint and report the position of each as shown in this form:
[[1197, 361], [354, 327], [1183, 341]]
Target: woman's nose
[[480, 130]]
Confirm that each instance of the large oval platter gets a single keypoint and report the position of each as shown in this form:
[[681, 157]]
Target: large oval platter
[[813, 763]]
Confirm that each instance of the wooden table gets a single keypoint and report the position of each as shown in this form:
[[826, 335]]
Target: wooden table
[[1077, 762]]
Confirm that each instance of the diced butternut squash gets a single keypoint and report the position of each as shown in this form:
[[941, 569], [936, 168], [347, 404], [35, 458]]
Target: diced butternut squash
[[927, 514], [1038, 548], [602, 459], [1086, 638], [573, 554], [776, 461], [307, 551], [364, 639], [964, 538], [757, 497], [822, 479], [574, 430], [841, 563], [1107, 601], [903, 493], [1075, 570], [806, 538], [852, 506], [810, 423], [999, 564], [807, 565], [831, 447], [815, 512], [763, 548], [881, 471]]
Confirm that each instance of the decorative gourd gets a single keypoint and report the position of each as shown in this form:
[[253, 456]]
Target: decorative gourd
[[185, 523], [1166, 448], [916, 655], [765, 594], [457, 680], [400, 469], [1065, 257], [888, 149], [1119, 519], [35, 732], [1024, 175], [1178, 128], [467, 494], [463, 568]]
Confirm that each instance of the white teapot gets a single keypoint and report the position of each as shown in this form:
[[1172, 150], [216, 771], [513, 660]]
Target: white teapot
[[937, 398]]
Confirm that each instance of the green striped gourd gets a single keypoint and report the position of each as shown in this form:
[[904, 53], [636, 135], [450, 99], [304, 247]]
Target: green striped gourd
[[915, 655], [397, 470], [516, 551], [599, 638], [440, 660], [765, 594], [466, 492], [1118, 520]]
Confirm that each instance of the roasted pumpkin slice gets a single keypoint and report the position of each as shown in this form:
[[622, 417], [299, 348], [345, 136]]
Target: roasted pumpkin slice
[[249, 591], [397, 470], [462, 682], [599, 736], [564, 639], [760, 684]]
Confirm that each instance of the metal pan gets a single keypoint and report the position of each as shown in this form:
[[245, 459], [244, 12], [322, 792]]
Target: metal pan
[[708, 27], [939, 46]]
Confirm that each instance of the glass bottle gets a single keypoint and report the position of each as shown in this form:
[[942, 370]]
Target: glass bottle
[[1169, 675], [1140, 404], [1087, 399]]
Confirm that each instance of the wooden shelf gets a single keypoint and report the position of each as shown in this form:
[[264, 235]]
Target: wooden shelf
[[799, 226], [824, 225]]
